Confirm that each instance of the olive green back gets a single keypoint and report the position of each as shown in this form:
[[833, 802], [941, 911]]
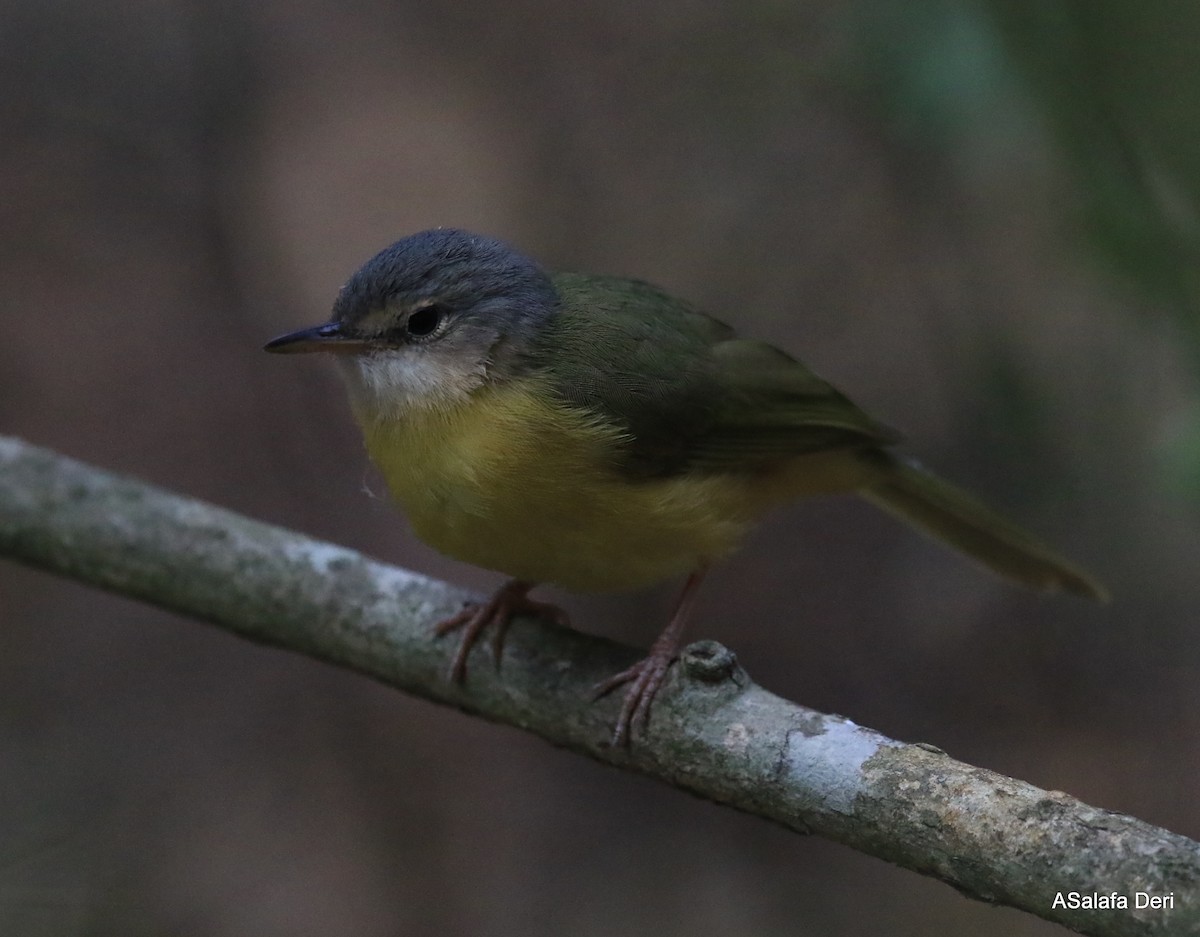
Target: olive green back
[[689, 394]]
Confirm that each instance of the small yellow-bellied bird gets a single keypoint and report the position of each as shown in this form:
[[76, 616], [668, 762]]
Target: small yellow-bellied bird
[[596, 433]]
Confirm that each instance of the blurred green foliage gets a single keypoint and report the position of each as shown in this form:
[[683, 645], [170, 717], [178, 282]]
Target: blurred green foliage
[[1109, 92], [1115, 83], [1118, 82]]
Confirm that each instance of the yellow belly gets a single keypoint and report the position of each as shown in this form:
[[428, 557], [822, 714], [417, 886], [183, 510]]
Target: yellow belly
[[510, 482]]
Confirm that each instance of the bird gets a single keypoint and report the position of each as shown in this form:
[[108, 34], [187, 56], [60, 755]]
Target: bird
[[599, 434]]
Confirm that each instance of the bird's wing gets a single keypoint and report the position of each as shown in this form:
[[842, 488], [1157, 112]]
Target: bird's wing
[[688, 394]]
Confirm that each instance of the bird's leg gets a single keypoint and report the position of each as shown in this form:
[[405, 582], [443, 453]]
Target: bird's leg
[[509, 600], [647, 675]]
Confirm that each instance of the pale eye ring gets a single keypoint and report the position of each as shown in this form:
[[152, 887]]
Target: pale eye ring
[[426, 321]]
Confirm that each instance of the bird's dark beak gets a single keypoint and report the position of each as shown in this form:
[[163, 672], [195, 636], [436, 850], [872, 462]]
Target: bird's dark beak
[[328, 337]]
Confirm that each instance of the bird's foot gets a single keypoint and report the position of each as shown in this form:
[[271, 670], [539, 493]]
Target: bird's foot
[[645, 679], [510, 600], [647, 675]]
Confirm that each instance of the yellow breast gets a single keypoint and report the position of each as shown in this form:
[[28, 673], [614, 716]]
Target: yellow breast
[[511, 481]]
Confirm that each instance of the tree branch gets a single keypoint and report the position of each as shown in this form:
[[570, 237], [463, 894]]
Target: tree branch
[[714, 732]]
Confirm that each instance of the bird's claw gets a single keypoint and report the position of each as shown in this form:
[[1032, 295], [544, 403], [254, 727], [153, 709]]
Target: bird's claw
[[510, 600], [646, 678]]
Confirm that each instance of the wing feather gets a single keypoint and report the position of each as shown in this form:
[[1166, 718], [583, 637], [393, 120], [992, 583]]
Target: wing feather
[[686, 392]]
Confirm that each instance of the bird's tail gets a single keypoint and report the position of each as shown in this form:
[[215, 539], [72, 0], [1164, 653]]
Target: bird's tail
[[947, 513]]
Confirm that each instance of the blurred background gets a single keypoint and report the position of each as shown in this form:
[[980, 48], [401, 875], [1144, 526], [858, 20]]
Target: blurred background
[[979, 219]]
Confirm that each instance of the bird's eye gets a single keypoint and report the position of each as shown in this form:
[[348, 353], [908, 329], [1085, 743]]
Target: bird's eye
[[423, 322]]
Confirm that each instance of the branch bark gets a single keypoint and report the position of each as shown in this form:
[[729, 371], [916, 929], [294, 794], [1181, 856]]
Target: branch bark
[[714, 732]]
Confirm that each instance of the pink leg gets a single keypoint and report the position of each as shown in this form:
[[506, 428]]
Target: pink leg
[[510, 599], [647, 675]]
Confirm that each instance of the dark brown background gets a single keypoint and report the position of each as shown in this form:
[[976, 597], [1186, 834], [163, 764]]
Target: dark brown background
[[979, 221]]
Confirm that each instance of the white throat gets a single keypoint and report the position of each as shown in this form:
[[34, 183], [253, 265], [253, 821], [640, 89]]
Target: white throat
[[385, 385]]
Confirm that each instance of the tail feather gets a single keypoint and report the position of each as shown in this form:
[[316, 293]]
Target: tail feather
[[947, 513]]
